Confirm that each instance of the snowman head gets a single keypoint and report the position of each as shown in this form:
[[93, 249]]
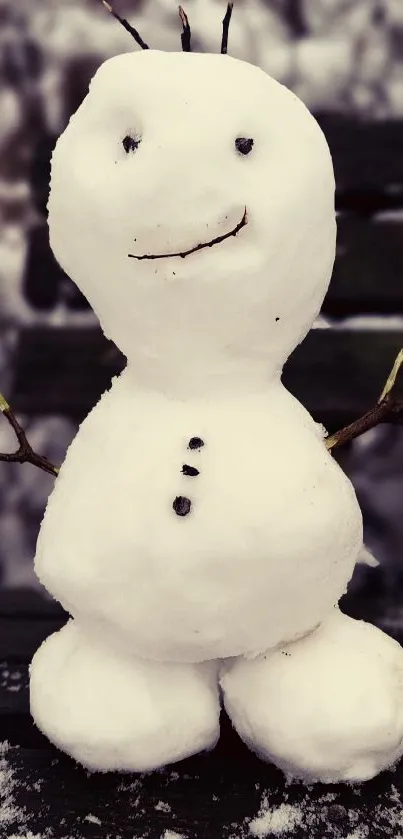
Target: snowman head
[[192, 202]]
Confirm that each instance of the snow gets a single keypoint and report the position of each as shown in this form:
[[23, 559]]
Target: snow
[[347, 723], [172, 834], [28, 835], [112, 711], [206, 281], [92, 819], [10, 813], [276, 821], [163, 807]]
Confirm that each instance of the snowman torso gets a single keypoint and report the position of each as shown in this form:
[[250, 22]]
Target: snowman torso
[[251, 551]]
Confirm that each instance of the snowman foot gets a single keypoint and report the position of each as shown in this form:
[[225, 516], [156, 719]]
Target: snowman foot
[[328, 707], [112, 711]]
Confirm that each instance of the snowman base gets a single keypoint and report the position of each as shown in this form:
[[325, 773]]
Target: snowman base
[[111, 711], [328, 707]]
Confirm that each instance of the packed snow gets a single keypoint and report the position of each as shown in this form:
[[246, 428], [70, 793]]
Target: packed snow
[[222, 528]]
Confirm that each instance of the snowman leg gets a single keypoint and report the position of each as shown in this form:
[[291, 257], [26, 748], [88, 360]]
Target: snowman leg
[[110, 710], [328, 707]]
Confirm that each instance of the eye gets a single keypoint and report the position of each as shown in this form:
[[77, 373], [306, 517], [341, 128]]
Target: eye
[[130, 143], [244, 144]]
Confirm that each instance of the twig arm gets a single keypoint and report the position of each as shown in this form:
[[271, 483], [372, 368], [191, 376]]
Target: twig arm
[[387, 409], [25, 452]]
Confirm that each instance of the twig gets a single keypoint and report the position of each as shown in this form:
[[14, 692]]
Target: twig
[[387, 409], [25, 454], [126, 25], [225, 27], [199, 247], [186, 34], [391, 380]]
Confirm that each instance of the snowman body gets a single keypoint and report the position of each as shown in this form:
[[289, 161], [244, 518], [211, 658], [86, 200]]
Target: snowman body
[[257, 552], [199, 532]]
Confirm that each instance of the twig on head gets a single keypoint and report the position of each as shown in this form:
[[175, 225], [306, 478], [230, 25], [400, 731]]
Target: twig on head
[[225, 27], [126, 25], [186, 33], [25, 453], [387, 409]]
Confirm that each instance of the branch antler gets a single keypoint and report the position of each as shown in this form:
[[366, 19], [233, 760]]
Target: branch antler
[[387, 409], [25, 453], [225, 27], [186, 33], [126, 25]]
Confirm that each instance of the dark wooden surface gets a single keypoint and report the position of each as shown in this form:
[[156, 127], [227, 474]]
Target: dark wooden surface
[[214, 796], [368, 272], [211, 797], [367, 161]]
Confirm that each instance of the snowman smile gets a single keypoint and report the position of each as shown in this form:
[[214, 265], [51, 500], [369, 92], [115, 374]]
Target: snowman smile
[[199, 247]]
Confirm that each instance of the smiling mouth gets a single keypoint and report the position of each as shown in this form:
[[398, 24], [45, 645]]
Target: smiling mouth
[[199, 247]]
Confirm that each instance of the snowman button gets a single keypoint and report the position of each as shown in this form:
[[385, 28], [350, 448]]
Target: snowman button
[[191, 471], [182, 505], [195, 443]]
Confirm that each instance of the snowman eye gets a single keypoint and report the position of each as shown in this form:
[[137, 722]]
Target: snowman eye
[[130, 143], [244, 144]]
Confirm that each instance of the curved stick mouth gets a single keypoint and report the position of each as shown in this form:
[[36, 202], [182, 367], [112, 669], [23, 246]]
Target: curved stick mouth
[[199, 247]]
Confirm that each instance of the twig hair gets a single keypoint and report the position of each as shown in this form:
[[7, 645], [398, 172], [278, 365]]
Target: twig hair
[[126, 25], [225, 27], [186, 33]]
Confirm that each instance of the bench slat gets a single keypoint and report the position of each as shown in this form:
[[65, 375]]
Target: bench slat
[[336, 374], [368, 273], [29, 605], [20, 638], [367, 154]]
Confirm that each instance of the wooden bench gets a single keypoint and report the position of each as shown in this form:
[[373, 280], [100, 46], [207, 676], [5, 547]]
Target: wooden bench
[[337, 373]]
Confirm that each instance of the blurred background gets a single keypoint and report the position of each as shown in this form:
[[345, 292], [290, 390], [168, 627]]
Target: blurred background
[[344, 58]]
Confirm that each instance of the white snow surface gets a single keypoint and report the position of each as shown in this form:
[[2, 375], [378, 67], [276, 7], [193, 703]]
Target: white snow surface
[[275, 821], [328, 707], [272, 527]]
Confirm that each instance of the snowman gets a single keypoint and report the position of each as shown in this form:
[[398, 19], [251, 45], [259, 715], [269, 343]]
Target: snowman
[[199, 533]]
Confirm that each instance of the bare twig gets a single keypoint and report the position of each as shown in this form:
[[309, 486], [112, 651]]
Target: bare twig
[[186, 33], [126, 25], [225, 27], [199, 247], [24, 454], [387, 409], [391, 380]]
